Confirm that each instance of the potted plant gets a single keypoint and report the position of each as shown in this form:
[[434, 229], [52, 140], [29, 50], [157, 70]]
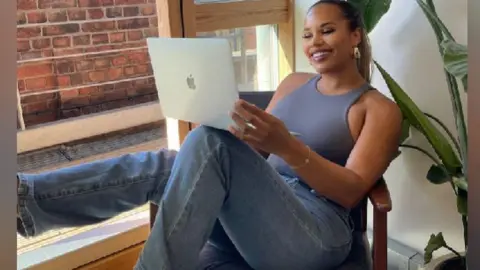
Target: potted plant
[[450, 152]]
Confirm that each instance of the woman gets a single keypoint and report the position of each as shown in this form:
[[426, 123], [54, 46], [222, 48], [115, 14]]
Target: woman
[[290, 211]]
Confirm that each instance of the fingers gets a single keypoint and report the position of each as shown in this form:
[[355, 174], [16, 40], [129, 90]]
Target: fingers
[[248, 111]]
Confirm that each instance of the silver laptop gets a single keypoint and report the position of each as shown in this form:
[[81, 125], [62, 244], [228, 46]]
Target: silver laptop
[[195, 79]]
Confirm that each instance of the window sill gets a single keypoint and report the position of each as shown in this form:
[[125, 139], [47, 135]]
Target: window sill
[[88, 246]]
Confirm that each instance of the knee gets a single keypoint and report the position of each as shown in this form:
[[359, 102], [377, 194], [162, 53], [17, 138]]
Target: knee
[[206, 138]]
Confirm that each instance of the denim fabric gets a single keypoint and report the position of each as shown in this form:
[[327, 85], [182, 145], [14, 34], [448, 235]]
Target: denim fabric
[[271, 221]]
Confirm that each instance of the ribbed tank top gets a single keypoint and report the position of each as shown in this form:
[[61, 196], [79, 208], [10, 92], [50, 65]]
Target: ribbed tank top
[[318, 120]]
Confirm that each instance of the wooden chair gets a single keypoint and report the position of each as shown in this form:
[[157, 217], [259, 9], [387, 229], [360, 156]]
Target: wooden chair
[[361, 257]]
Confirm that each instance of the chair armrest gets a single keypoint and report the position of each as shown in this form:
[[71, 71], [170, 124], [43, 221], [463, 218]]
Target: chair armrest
[[380, 197]]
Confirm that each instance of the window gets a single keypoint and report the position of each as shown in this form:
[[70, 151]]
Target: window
[[254, 51]]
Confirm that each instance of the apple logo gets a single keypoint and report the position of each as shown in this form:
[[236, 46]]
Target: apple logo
[[191, 82]]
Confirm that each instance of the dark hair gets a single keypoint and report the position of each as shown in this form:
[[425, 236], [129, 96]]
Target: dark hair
[[355, 19]]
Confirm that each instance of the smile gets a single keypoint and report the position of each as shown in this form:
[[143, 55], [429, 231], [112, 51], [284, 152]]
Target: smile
[[320, 56]]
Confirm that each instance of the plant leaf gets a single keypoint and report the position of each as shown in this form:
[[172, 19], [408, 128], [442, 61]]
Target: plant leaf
[[434, 243], [462, 203], [437, 174], [437, 24], [461, 183], [418, 120], [405, 130], [372, 11], [455, 57]]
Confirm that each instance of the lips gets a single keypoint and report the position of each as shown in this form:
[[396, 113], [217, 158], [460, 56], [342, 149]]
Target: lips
[[320, 55]]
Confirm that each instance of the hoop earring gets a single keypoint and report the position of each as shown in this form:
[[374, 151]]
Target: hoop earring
[[356, 53]]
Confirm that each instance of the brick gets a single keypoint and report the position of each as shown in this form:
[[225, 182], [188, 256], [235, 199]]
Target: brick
[[34, 70], [119, 61], [57, 16], [98, 26], [98, 48], [148, 10], [96, 13], [97, 76], [21, 85], [23, 45], [102, 63], [46, 4], [65, 67], [133, 23], [87, 91], [42, 83], [63, 80], [117, 37], [107, 2], [39, 118], [89, 3], [68, 51], [74, 102], [150, 32], [130, 11], [40, 97], [84, 65], [77, 15], [122, 85], [61, 29], [76, 79], [129, 71], [28, 32], [138, 57], [135, 35], [41, 43], [21, 18], [153, 21], [26, 4], [143, 70], [69, 113], [99, 39], [114, 12], [115, 74], [129, 2], [82, 40], [69, 94], [36, 17], [62, 42], [30, 55], [35, 107]]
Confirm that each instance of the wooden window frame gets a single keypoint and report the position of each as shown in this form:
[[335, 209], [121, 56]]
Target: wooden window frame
[[185, 18]]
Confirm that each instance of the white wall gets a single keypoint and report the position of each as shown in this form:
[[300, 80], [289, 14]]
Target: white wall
[[404, 44]]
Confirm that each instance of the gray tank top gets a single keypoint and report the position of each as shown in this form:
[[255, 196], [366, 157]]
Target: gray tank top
[[320, 121]]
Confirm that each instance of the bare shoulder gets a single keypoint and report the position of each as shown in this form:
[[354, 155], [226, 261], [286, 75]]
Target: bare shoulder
[[377, 105], [292, 82]]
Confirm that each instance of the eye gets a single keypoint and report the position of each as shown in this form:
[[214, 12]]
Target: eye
[[306, 35], [327, 31]]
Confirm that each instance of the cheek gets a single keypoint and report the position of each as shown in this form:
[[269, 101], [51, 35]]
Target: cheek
[[305, 47]]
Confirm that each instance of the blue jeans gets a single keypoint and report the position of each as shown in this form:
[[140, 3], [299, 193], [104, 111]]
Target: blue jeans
[[272, 221]]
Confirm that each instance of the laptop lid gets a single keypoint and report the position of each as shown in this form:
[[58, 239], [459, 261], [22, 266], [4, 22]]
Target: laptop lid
[[195, 79]]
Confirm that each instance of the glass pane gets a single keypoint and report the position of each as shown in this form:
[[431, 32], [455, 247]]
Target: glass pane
[[254, 50]]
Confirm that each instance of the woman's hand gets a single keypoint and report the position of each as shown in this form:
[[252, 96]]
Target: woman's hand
[[260, 129]]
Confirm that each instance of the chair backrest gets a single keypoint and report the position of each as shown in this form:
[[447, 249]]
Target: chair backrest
[[359, 214]]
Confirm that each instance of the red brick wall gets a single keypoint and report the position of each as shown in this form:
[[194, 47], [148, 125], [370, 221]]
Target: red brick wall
[[56, 39]]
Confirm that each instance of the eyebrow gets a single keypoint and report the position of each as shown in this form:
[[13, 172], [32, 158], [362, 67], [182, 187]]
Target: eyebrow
[[321, 25]]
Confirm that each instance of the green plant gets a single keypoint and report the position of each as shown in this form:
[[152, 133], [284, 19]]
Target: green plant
[[450, 152]]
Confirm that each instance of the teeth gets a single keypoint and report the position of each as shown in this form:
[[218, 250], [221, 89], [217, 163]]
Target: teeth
[[319, 54]]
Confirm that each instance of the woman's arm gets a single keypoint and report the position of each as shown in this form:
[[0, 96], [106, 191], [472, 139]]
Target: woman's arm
[[369, 159]]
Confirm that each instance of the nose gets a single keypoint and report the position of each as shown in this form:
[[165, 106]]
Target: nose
[[317, 40]]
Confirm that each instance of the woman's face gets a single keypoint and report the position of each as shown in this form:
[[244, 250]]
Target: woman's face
[[328, 41]]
